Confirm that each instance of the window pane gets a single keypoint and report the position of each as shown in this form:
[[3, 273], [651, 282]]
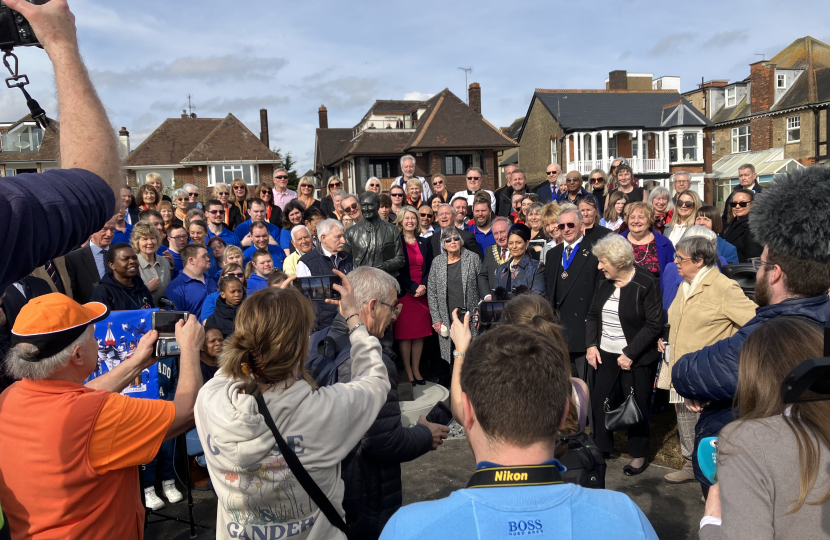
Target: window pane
[[690, 146], [673, 147]]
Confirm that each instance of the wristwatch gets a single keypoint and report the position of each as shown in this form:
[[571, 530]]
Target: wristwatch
[[456, 354]]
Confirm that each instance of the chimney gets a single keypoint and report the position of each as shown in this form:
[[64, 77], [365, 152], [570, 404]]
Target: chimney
[[184, 114], [618, 80], [123, 143], [324, 117], [263, 129], [762, 81], [475, 97]]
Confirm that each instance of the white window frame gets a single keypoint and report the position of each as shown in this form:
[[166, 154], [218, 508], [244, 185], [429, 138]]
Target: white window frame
[[793, 124], [254, 170], [713, 142], [613, 149], [736, 137], [554, 150], [731, 100], [781, 81]]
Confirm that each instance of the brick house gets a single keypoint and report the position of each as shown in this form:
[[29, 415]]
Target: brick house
[[203, 151], [658, 131], [443, 133], [775, 118], [25, 147]]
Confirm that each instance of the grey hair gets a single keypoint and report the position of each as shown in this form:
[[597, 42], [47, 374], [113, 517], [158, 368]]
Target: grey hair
[[369, 181], [449, 232], [325, 227], [448, 205], [338, 193], [701, 232], [537, 208], [479, 171], [516, 170], [558, 167], [501, 219], [698, 248], [406, 157], [572, 209], [660, 191], [372, 284], [348, 196], [22, 363], [299, 228], [180, 193], [278, 169], [616, 249], [674, 176], [188, 186]]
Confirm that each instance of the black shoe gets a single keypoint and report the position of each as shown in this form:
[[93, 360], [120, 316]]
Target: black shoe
[[413, 383], [419, 381], [628, 470]]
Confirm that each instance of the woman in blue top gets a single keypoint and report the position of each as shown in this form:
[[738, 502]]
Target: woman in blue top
[[520, 269], [709, 217], [652, 250]]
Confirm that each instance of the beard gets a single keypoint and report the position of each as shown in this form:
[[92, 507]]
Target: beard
[[762, 294]]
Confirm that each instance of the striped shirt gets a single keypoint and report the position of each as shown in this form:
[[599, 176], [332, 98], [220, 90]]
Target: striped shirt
[[613, 339]]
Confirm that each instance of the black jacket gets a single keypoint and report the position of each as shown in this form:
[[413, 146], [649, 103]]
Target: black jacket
[[327, 206], [504, 200], [641, 316], [572, 296], [757, 188], [372, 471], [237, 216], [596, 232], [740, 235], [118, 297], [83, 274], [404, 277], [487, 274], [223, 317], [276, 217], [467, 237]]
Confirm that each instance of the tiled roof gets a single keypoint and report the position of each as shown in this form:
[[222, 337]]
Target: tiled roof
[[724, 114], [800, 52], [331, 143], [49, 148], [189, 140], [799, 92], [515, 128], [377, 142], [682, 113]]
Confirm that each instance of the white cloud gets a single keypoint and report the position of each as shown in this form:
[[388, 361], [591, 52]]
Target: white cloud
[[416, 96]]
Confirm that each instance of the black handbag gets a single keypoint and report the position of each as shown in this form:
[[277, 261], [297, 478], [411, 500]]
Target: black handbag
[[308, 483], [625, 416]]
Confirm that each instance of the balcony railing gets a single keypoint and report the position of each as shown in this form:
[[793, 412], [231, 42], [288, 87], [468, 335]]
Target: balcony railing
[[640, 166]]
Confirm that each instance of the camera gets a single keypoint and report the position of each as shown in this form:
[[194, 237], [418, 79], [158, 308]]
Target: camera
[[164, 322], [319, 287], [490, 312], [15, 30]]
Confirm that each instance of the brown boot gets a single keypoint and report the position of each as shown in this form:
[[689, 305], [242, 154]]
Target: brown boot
[[686, 474], [199, 476]]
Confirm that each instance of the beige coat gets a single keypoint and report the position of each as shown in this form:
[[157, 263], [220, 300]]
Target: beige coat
[[715, 310]]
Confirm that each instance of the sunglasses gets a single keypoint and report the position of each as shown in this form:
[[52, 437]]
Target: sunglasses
[[426, 215], [686, 204], [597, 180], [473, 178], [551, 173], [742, 204], [239, 188], [237, 275], [562, 226], [438, 183], [396, 194], [452, 239], [569, 179], [306, 185], [265, 191], [281, 177], [192, 194], [335, 184], [350, 209], [214, 212]]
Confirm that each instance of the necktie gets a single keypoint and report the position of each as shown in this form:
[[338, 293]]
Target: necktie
[[503, 253], [334, 260], [104, 260], [53, 274], [568, 252]]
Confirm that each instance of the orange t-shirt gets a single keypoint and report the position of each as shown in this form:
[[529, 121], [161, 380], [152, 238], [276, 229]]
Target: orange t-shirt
[[66, 459]]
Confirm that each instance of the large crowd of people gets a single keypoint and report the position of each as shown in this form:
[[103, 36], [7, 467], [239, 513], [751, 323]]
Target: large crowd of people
[[610, 292]]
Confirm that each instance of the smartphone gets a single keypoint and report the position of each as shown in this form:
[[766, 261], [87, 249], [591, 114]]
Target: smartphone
[[319, 287], [461, 313], [164, 322], [490, 312]]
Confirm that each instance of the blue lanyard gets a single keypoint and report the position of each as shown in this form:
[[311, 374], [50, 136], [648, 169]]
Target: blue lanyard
[[567, 262]]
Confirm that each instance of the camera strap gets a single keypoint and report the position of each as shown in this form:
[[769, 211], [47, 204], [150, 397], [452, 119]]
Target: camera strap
[[529, 475], [19, 81]]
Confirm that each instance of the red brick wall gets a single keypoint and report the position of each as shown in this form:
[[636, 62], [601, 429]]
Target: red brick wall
[[266, 172], [707, 151], [623, 145], [760, 130], [131, 179], [762, 80], [688, 168], [458, 182]]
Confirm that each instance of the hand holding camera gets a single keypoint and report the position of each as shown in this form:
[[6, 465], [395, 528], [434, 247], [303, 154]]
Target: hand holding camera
[[52, 22]]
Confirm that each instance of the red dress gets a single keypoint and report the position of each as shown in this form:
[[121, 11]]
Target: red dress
[[414, 321]]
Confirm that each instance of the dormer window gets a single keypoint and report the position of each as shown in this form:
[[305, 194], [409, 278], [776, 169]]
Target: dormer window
[[731, 96], [782, 81]]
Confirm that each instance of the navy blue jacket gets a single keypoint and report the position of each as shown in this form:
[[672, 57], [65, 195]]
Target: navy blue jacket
[[530, 275], [564, 197], [665, 249], [404, 277], [118, 297], [69, 205]]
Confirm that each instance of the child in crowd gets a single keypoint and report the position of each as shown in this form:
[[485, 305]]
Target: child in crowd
[[209, 305], [263, 265], [231, 295], [277, 278]]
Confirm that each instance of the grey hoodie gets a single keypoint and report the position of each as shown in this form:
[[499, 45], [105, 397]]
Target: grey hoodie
[[259, 496]]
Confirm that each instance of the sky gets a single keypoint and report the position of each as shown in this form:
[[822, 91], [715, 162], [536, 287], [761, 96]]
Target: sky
[[291, 57]]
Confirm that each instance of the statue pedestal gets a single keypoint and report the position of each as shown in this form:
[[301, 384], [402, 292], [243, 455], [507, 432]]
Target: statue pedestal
[[425, 397]]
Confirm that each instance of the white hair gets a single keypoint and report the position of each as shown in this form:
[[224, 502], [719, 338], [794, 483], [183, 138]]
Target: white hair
[[188, 186], [369, 181], [180, 193], [22, 363], [297, 228], [569, 208], [372, 283], [404, 158], [325, 227]]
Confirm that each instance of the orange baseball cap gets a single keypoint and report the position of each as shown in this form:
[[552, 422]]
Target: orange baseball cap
[[53, 321]]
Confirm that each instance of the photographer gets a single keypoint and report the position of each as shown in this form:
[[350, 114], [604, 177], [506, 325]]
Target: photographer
[[517, 488], [73, 202], [774, 461], [67, 452]]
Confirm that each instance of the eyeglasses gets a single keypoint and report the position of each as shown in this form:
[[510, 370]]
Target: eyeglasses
[[686, 204], [437, 182], [452, 239], [237, 275], [335, 184], [572, 179], [426, 215], [597, 180], [742, 204], [473, 178], [758, 262], [562, 226], [395, 309], [680, 259], [551, 173], [214, 212], [281, 177], [350, 209], [396, 194]]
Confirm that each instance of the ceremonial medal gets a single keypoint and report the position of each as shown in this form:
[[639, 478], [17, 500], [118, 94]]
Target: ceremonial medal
[[564, 275], [566, 261]]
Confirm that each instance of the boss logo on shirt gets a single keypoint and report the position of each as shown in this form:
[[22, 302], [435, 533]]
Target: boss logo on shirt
[[524, 528]]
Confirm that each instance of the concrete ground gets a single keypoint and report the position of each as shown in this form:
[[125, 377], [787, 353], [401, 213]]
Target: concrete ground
[[674, 510]]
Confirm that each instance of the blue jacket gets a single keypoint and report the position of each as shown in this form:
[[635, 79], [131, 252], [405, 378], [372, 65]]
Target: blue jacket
[[277, 255], [665, 249], [727, 251], [530, 275], [228, 236], [256, 282], [242, 230], [711, 374], [188, 294]]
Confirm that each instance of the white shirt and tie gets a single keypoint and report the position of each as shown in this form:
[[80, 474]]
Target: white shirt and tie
[[304, 271]]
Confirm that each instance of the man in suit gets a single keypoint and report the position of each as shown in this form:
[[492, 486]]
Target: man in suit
[[549, 190], [55, 274], [130, 208], [446, 218], [86, 266], [571, 275], [494, 256], [517, 183]]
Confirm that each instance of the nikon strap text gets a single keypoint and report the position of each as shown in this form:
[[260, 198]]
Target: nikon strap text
[[531, 475]]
